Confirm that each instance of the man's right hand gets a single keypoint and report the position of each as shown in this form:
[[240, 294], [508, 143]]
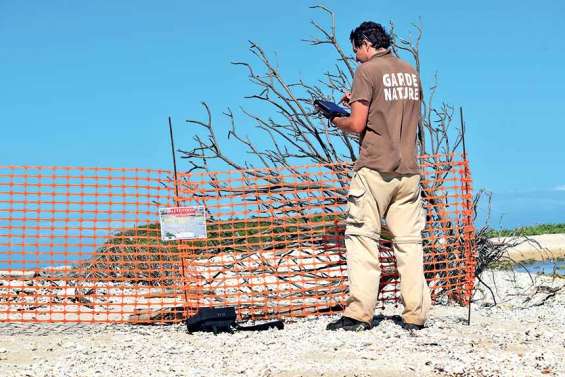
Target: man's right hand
[[346, 99]]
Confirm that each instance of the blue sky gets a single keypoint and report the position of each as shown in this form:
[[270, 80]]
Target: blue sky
[[92, 83]]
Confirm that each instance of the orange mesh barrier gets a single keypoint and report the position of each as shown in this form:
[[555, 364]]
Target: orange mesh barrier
[[84, 244]]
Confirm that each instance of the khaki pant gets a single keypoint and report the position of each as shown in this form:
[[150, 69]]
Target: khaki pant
[[396, 198]]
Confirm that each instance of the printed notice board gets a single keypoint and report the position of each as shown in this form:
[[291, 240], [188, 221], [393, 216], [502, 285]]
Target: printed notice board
[[182, 223]]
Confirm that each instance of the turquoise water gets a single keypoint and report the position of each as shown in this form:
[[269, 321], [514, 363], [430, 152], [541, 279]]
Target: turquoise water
[[544, 267]]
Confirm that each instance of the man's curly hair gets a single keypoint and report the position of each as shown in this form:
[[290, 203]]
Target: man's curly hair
[[372, 32]]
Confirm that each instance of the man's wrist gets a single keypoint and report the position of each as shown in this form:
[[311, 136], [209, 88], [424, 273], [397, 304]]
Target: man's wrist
[[336, 121]]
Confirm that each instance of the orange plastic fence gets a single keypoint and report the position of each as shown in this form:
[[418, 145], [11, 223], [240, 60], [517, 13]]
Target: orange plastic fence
[[84, 244]]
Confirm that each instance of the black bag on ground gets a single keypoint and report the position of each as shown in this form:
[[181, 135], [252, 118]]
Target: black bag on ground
[[218, 320]]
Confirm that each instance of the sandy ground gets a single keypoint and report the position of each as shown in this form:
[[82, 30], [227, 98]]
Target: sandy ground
[[520, 336], [542, 247]]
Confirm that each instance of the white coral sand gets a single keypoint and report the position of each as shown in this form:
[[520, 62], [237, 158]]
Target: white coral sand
[[521, 336]]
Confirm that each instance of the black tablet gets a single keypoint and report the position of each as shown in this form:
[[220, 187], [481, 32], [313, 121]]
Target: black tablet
[[330, 109]]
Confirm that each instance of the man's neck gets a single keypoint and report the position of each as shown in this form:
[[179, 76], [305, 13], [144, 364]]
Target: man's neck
[[379, 51]]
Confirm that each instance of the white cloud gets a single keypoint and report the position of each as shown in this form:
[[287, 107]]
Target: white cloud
[[560, 188]]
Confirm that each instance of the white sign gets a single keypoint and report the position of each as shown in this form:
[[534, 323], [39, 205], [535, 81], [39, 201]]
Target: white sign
[[182, 223]]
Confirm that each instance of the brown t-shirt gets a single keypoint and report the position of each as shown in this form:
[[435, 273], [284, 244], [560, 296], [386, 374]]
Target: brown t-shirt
[[391, 87]]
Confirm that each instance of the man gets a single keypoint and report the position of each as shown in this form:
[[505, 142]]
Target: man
[[385, 111]]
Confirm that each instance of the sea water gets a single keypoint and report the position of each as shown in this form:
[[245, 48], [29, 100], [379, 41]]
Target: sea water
[[547, 267]]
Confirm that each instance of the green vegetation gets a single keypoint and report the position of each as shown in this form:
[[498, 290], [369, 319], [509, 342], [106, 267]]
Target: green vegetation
[[139, 255], [529, 230], [508, 264]]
